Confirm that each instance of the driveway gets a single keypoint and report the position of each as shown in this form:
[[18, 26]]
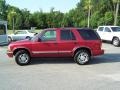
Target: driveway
[[102, 73]]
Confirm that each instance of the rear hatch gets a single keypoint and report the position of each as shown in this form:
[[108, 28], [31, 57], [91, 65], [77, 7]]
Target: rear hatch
[[91, 38]]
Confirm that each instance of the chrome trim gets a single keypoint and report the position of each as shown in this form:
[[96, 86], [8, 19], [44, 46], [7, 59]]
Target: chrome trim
[[44, 52], [65, 51], [49, 52]]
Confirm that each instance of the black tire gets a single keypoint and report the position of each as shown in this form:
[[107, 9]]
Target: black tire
[[116, 42], [22, 58], [79, 58], [9, 39], [28, 38]]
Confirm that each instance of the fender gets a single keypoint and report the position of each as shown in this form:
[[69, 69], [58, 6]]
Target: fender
[[22, 47]]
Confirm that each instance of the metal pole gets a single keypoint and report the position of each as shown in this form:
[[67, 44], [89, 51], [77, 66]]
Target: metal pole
[[116, 14], [13, 26]]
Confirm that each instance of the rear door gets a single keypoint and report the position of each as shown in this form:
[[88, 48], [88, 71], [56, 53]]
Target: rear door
[[100, 31], [107, 34], [67, 41]]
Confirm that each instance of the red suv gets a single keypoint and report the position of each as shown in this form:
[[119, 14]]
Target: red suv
[[78, 43]]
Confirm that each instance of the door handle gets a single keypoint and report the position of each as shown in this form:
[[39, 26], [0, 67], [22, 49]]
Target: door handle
[[75, 43], [55, 43]]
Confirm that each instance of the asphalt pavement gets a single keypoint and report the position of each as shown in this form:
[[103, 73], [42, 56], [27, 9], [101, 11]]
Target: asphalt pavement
[[102, 73]]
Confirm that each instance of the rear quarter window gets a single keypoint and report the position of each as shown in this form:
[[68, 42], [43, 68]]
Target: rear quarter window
[[88, 34], [2, 30]]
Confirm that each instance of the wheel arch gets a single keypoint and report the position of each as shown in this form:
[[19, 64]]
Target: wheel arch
[[81, 48], [18, 49], [114, 37]]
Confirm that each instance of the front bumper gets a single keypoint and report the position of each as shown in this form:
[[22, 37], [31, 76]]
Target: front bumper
[[10, 54]]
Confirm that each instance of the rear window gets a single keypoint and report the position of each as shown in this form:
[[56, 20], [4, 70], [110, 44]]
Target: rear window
[[88, 34]]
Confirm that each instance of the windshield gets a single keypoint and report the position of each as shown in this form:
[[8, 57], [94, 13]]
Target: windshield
[[115, 29]]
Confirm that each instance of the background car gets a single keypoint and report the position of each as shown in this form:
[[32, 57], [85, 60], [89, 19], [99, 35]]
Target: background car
[[110, 33], [20, 35]]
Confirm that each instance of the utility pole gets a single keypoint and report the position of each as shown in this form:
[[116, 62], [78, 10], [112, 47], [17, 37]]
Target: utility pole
[[13, 20], [116, 14]]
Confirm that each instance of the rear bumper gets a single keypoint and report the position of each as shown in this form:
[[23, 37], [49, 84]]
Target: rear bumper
[[10, 54], [98, 52]]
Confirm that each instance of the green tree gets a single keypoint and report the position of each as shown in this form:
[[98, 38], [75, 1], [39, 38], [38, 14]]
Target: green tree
[[109, 18], [14, 18], [25, 19], [11, 19], [3, 9]]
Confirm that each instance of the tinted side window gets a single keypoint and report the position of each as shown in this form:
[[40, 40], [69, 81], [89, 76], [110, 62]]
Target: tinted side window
[[100, 28], [2, 30], [67, 35], [107, 29], [88, 34]]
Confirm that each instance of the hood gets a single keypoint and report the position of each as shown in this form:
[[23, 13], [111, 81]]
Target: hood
[[22, 42]]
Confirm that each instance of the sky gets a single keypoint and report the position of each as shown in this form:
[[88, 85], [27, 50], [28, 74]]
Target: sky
[[45, 5]]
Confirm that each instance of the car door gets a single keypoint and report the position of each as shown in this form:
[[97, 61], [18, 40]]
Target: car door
[[67, 42], [100, 31], [19, 35], [107, 34], [46, 46]]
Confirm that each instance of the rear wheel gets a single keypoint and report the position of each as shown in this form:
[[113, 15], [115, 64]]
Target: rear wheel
[[116, 42], [82, 57], [22, 58]]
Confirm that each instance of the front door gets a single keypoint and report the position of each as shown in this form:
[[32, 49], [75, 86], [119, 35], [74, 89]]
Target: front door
[[107, 34], [47, 45]]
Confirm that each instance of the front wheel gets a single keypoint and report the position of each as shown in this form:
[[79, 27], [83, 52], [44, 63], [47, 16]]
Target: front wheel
[[82, 57], [22, 58], [116, 42]]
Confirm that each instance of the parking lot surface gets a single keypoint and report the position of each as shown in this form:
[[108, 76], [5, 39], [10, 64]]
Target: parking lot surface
[[102, 73]]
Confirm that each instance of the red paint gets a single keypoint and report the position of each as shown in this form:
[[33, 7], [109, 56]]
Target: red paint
[[58, 48]]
